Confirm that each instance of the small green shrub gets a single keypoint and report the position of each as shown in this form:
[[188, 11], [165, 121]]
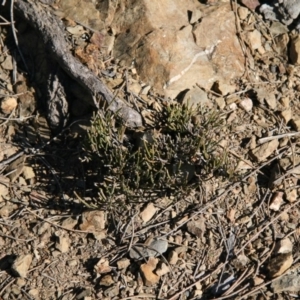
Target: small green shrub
[[178, 150]]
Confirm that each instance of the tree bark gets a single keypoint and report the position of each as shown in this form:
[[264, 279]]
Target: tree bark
[[51, 30]]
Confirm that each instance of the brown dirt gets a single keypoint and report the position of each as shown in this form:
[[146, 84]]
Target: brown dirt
[[224, 229]]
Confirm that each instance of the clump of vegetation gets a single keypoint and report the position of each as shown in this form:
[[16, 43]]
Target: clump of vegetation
[[177, 151]]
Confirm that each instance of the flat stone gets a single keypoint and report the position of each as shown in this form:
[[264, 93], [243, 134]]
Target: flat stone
[[284, 216], [243, 260], [102, 266], [56, 253], [264, 151], [282, 42], [106, 280], [7, 63], [173, 257], [86, 13], [22, 182], [223, 88], [63, 243], [20, 282], [112, 292], [276, 201], [287, 283], [156, 247], [296, 124], [251, 4], [76, 30], [99, 235], [243, 12], [72, 262], [135, 88], [266, 95], [197, 228], [195, 97], [34, 293], [279, 264], [8, 104], [285, 102], [69, 223], [244, 165], [277, 28], [258, 280], [93, 220], [271, 101], [147, 214], [294, 50], [21, 265], [220, 102], [123, 263], [254, 39], [246, 104], [291, 195], [145, 89], [150, 278], [286, 115], [163, 269], [292, 7], [287, 164], [284, 246], [6, 210], [28, 172]]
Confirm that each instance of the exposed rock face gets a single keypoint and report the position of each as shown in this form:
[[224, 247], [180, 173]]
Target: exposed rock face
[[171, 54], [174, 44], [217, 29]]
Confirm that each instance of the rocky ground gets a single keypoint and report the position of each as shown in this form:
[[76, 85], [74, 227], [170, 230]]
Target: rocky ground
[[232, 232]]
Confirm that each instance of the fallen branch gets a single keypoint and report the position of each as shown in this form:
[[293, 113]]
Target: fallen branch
[[52, 33]]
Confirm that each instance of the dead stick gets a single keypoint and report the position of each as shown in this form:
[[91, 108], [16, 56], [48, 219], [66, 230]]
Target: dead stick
[[280, 136]]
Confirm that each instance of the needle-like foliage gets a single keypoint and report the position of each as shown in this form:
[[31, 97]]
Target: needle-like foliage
[[180, 149]]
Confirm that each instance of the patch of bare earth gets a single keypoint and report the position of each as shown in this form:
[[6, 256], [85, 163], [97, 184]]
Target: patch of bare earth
[[233, 235]]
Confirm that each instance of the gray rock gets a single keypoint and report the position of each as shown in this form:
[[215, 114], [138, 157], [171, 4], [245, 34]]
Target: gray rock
[[172, 55], [156, 248], [170, 48], [285, 11], [292, 7], [287, 283], [196, 96], [277, 28], [268, 12]]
